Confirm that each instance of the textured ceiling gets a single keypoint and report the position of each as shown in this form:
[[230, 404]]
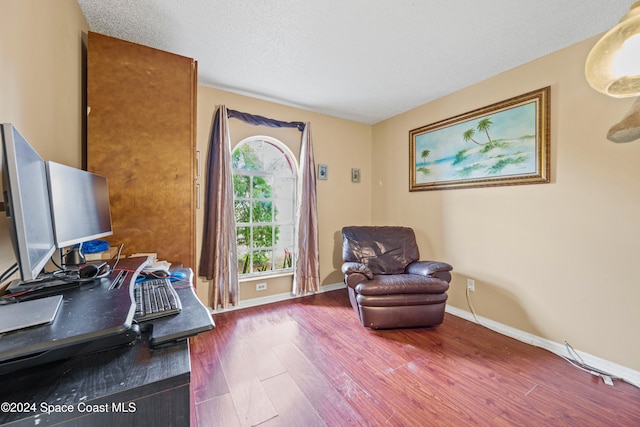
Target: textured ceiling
[[362, 60]]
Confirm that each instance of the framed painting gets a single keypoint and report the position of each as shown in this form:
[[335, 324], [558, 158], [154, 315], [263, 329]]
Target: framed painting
[[506, 143]]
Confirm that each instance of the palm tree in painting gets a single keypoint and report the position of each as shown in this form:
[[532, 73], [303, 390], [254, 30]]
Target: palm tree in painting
[[425, 154], [468, 136], [483, 126]]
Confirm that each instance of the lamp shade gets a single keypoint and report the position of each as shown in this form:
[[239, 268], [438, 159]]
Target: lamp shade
[[613, 65]]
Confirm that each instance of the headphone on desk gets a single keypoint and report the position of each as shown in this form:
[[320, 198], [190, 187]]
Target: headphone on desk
[[90, 272]]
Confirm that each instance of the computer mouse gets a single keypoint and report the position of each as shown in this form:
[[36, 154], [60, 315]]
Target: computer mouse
[[160, 273]]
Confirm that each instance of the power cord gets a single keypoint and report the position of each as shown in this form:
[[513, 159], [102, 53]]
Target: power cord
[[574, 358], [118, 257], [473, 310], [8, 273]]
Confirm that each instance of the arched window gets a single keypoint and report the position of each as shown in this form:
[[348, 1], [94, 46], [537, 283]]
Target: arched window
[[264, 184]]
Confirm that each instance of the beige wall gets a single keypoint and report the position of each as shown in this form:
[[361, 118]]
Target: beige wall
[[41, 85], [41, 75], [557, 260], [340, 144]]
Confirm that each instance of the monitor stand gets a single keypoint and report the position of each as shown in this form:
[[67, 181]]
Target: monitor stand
[[74, 257]]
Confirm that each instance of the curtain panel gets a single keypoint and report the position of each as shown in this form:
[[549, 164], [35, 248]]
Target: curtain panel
[[218, 259], [307, 268]]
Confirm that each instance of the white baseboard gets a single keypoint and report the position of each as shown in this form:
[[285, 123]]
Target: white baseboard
[[627, 374], [254, 302]]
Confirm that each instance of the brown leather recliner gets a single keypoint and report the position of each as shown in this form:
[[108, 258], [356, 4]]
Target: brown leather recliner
[[389, 287]]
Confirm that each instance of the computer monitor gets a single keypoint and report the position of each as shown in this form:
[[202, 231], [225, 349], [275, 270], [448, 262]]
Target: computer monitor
[[79, 205], [26, 199]]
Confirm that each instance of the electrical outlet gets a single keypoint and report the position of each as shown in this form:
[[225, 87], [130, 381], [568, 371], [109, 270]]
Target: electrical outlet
[[471, 285], [261, 286]]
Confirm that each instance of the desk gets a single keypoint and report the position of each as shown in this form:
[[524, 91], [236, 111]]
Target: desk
[[133, 385]]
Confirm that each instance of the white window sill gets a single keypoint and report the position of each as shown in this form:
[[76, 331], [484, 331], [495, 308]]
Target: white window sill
[[264, 276]]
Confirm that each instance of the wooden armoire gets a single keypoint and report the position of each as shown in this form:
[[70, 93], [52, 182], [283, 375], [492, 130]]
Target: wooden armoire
[[141, 135]]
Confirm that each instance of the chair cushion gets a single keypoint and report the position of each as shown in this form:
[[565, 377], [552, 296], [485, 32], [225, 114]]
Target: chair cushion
[[383, 249], [401, 284]]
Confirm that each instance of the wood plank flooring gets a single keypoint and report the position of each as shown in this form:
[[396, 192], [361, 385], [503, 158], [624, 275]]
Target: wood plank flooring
[[309, 362]]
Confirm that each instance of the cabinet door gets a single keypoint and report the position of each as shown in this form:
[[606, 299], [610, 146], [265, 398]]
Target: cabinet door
[[141, 136]]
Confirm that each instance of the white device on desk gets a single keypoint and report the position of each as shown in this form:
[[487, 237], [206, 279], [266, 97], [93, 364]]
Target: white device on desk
[[29, 313]]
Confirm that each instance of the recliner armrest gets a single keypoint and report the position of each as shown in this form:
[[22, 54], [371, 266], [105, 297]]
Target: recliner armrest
[[431, 269], [356, 267], [354, 279]]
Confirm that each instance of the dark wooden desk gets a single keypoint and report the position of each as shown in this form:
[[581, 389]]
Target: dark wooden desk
[[126, 386], [146, 383]]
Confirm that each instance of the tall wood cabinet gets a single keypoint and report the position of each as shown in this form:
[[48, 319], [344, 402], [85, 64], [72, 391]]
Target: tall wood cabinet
[[141, 136]]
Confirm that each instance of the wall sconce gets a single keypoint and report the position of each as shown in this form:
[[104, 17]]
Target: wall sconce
[[613, 68]]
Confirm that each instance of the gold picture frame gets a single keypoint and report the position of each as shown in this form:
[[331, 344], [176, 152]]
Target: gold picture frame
[[506, 143]]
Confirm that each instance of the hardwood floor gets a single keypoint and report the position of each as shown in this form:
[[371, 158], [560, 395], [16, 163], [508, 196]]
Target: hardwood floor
[[309, 362]]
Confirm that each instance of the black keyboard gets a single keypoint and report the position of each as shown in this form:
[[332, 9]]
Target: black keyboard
[[155, 298]]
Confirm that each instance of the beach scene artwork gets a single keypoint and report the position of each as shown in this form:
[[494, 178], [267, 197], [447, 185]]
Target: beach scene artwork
[[501, 145]]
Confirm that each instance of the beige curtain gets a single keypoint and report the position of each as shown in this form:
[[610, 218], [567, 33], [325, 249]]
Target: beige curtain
[[307, 268], [218, 260]]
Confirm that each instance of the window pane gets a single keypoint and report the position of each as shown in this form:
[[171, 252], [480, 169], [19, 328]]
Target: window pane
[[243, 238], [276, 161], [262, 261], [282, 258], [247, 157], [284, 192], [241, 185], [244, 262], [262, 187], [263, 236], [284, 187], [285, 236], [242, 210], [262, 211], [283, 210]]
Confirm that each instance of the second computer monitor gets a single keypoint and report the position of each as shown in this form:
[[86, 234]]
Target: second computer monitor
[[79, 205]]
